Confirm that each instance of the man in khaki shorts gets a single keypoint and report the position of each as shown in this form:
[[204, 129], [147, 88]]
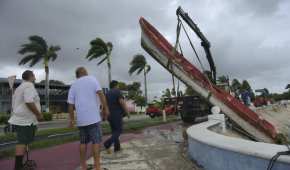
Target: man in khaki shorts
[[25, 115]]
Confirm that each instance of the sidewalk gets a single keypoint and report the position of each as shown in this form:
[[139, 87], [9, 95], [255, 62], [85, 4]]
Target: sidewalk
[[159, 148], [156, 148]]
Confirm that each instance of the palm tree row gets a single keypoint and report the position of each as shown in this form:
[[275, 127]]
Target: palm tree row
[[37, 50]]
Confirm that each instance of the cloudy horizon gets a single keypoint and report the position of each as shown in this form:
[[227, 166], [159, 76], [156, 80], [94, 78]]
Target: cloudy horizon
[[249, 38]]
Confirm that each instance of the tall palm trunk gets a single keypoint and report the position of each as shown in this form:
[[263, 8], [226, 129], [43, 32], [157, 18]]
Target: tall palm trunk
[[46, 87], [145, 85], [109, 68]]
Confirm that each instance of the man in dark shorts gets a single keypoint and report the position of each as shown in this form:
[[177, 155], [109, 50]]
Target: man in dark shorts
[[118, 109], [25, 115], [86, 96]]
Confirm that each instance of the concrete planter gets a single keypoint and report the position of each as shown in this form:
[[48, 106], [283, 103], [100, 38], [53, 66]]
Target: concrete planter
[[215, 151]]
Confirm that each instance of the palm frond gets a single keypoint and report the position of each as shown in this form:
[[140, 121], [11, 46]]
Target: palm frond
[[104, 59], [53, 56], [90, 58], [51, 53], [138, 59], [98, 48], [39, 40], [90, 52], [30, 48], [148, 68], [35, 60], [109, 46], [133, 69], [140, 69], [26, 59], [137, 64], [54, 48], [98, 42]]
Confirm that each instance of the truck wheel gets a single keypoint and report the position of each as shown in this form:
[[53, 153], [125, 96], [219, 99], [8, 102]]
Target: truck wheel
[[151, 115]]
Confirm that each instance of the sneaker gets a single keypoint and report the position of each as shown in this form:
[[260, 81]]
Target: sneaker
[[109, 151], [90, 167], [117, 150]]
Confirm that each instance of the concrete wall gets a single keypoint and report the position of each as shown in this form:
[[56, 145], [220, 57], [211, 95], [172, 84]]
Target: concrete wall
[[218, 152]]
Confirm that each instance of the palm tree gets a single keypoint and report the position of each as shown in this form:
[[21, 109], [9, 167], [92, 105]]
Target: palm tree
[[101, 49], [139, 64], [35, 51], [236, 87]]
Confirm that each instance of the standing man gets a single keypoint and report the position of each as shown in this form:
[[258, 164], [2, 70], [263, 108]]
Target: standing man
[[118, 109], [86, 96], [25, 115]]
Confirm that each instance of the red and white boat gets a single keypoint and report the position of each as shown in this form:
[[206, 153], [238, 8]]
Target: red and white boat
[[163, 52]]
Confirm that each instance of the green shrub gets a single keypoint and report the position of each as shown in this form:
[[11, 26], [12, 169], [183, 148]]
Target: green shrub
[[3, 114], [4, 119], [47, 117], [133, 113]]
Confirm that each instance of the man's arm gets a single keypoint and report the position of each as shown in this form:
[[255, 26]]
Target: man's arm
[[29, 94], [71, 115], [123, 105], [104, 104], [32, 107]]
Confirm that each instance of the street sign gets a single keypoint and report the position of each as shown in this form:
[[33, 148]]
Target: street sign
[[11, 80]]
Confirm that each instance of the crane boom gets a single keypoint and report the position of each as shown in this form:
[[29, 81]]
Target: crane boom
[[204, 42]]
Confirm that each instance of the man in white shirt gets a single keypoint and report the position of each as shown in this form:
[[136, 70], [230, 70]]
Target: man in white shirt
[[25, 115], [86, 97]]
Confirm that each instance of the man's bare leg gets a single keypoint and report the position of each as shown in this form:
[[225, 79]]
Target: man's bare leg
[[83, 153], [19, 154], [20, 150], [96, 154]]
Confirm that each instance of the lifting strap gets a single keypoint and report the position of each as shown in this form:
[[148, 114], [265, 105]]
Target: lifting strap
[[192, 46], [177, 44]]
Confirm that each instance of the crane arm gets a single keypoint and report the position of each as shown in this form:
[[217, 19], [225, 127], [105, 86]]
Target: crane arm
[[204, 42]]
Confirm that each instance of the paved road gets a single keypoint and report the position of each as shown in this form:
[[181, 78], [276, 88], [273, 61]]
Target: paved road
[[64, 123]]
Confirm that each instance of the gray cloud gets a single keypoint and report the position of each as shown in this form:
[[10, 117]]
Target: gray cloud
[[249, 38]]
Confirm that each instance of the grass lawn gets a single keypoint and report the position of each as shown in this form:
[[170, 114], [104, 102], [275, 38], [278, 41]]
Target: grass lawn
[[131, 126]]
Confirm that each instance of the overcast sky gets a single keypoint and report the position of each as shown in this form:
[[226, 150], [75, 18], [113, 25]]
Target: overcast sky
[[250, 38]]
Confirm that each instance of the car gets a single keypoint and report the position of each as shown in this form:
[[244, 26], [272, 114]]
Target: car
[[170, 110], [153, 111], [261, 101]]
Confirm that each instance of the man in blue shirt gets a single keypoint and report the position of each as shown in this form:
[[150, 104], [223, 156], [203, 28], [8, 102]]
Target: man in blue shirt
[[245, 95], [117, 108]]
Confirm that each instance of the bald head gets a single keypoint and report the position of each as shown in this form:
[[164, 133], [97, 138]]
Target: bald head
[[80, 72]]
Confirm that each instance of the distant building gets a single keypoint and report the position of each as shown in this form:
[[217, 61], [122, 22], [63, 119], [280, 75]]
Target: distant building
[[57, 95]]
